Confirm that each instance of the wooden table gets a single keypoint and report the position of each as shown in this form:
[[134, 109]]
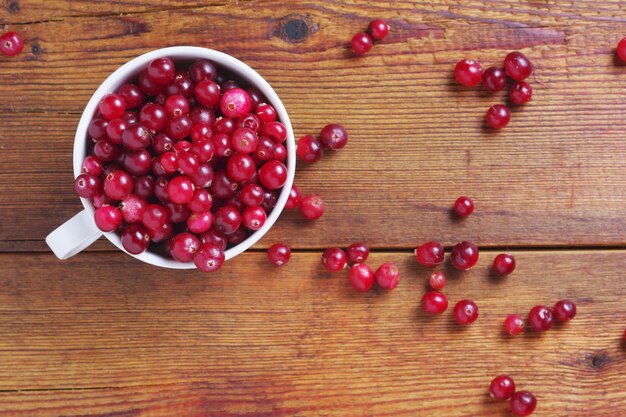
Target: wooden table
[[104, 335]]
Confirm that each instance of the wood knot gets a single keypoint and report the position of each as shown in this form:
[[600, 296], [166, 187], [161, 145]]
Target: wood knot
[[598, 360], [36, 49], [13, 6], [295, 28], [134, 27]]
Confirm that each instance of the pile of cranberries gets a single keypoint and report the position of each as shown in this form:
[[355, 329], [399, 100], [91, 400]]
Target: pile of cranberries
[[186, 162], [522, 403], [11, 44], [362, 42], [469, 73]]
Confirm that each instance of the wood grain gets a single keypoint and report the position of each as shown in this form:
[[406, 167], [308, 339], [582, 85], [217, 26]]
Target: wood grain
[[103, 334]]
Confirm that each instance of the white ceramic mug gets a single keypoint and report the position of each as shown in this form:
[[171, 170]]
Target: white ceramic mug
[[80, 231]]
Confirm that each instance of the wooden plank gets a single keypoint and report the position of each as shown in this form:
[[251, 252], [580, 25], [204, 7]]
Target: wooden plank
[[103, 334]]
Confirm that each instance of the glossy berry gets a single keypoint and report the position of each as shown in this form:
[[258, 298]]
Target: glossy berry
[[280, 153], [361, 277], [225, 125], [266, 113], [523, 403], [209, 257], [463, 206], [253, 218], [154, 216], [227, 220], [11, 44], [176, 213], [240, 167], [181, 85], [468, 72], [235, 103], [135, 239], [115, 129], [521, 93], [204, 149], [176, 105], [309, 149], [184, 246], [294, 199], [202, 69], [199, 114], [275, 131], [108, 218], [266, 149], [429, 254], [215, 237], [237, 236], [434, 302], [161, 71], [245, 140], [494, 79], [498, 116], [98, 129], [361, 43], [207, 93], [87, 185], [279, 254], [334, 136], [179, 127], [222, 186], [199, 222], [137, 162], [437, 280], [112, 106], [203, 176], [387, 276], [513, 324], [621, 49], [153, 117], [188, 162], [465, 312], [312, 207], [162, 233], [357, 253], [517, 66], [118, 184], [564, 310], [378, 29], [132, 208], [273, 174], [540, 318], [251, 195], [180, 189], [249, 121], [136, 137], [334, 259], [144, 187], [504, 264], [132, 94], [502, 387], [464, 255]]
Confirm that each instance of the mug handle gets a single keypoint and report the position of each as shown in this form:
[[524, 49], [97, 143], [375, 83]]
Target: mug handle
[[73, 236]]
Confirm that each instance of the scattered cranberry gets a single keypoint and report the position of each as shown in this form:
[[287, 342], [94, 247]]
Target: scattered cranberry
[[523, 403], [309, 149], [434, 302], [312, 207], [334, 137], [437, 280], [11, 44], [540, 318], [464, 255], [378, 29], [463, 206], [357, 253], [621, 49], [494, 79], [517, 66], [468, 72], [361, 43], [108, 218], [387, 276], [295, 198], [498, 116], [209, 257], [502, 387], [504, 264], [429, 254], [513, 324], [564, 310], [361, 277], [334, 259], [279, 254], [521, 93], [465, 312]]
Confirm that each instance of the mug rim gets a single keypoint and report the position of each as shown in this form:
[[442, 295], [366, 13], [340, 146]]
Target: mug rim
[[124, 73]]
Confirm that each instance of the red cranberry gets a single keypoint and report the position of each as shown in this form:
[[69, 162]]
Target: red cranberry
[[209, 257], [504, 264], [523, 403], [387, 276], [280, 153], [245, 140], [176, 213], [498, 116], [202, 69], [176, 105], [275, 131], [222, 145], [148, 86], [464, 255], [251, 195], [540, 318], [312, 207], [468, 72], [357, 253], [222, 186], [92, 165], [521, 93], [130, 117], [225, 125], [204, 149], [137, 162], [437, 280], [180, 189], [279, 254], [183, 146], [309, 149], [361, 43], [253, 217], [295, 198], [235, 103], [463, 206], [494, 79], [215, 237], [265, 149], [434, 302], [621, 49], [199, 114], [564, 310], [266, 113], [153, 117], [465, 312], [106, 151], [162, 143], [207, 93], [229, 85], [249, 121], [132, 94], [334, 137], [98, 129], [115, 129], [188, 162], [184, 247], [11, 44], [179, 127], [135, 239], [144, 187], [161, 71], [502, 387], [201, 201], [237, 236], [181, 85], [112, 106], [162, 233], [429, 254], [273, 174], [169, 161], [227, 220], [517, 66], [154, 216], [269, 200], [378, 29], [118, 184], [199, 222], [108, 218], [136, 137], [160, 189], [361, 277], [256, 96], [132, 208], [513, 324], [334, 259]]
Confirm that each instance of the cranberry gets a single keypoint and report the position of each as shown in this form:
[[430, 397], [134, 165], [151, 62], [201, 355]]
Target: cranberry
[[251, 195], [215, 237], [517, 66], [564, 310], [176, 105], [162, 233], [521, 93], [207, 93], [237, 236], [153, 117], [229, 85], [312, 207], [118, 184], [334, 259], [181, 85], [504, 264], [269, 200], [112, 106], [135, 239], [295, 198], [468, 72], [130, 117], [169, 161], [357, 253], [463, 206], [154, 216], [148, 86], [160, 189], [465, 312], [188, 163], [245, 140], [204, 149], [464, 255], [108, 218], [266, 113], [429, 254], [137, 162], [540, 318], [162, 143], [275, 131], [361, 277], [202, 69], [136, 137], [502, 387], [203, 176], [361, 43], [222, 186], [201, 201], [280, 154], [387, 276], [309, 149], [227, 220], [621, 49], [513, 324], [183, 146], [253, 217], [199, 114], [222, 145], [98, 129], [265, 149], [157, 168], [200, 222], [334, 136], [179, 127], [11, 44], [180, 189], [92, 165], [498, 116], [279, 254], [161, 71], [209, 257], [144, 187], [235, 103], [132, 94], [378, 29], [494, 79], [523, 403], [273, 174], [225, 125], [132, 208], [256, 96], [434, 302], [115, 129], [437, 280], [184, 247]]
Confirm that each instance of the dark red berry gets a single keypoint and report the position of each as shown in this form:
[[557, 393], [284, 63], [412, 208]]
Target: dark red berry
[[309, 149], [504, 264], [498, 116], [207, 93], [517, 66], [387, 276], [11, 44], [136, 137], [312, 207], [361, 277], [253, 218], [227, 220], [334, 259], [334, 136], [279, 254], [184, 247], [564, 310], [154, 216], [465, 312], [437, 280], [434, 302], [523, 403], [118, 184], [199, 222], [273, 174], [357, 253], [429, 254], [361, 43], [135, 239], [161, 71], [275, 131], [177, 213], [108, 218], [621, 49], [463, 206], [521, 93], [513, 324], [245, 140], [295, 198], [464, 255], [202, 69], [112, 106], [251, 195], [266, 113], [87, 185], [378, 29], [540, 318], [468, 72], [494, 79], [209, 257], [153, 117], [176, 105], [132, 94], [502, 387]]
